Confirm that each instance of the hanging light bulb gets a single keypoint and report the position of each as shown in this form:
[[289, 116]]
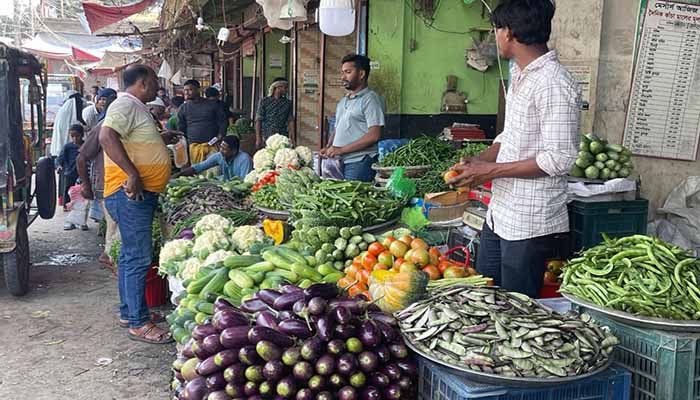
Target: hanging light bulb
[[223, 36], [200, 24], [336, 17]]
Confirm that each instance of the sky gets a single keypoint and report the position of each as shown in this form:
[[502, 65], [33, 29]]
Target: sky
[[6, 7]]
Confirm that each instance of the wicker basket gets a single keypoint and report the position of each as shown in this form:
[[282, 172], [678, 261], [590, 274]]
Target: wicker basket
[[410, 171]]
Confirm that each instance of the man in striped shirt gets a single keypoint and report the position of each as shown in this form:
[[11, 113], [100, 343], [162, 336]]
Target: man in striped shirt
[[528, 161]]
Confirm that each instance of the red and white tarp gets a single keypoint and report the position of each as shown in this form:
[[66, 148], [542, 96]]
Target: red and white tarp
[[99, 16]]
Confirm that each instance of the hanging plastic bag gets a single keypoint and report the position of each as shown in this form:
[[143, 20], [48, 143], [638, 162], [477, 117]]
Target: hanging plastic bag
[[401, 186], [79, 207], [180, 152], [414, 219]]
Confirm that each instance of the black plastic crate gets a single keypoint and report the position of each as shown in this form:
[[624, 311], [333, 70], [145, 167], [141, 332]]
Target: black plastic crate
[[589, 220]]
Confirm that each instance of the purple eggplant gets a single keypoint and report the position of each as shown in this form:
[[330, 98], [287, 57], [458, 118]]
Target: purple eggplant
[[345, 331], [392, 392], [222, 303], [286, 387], [268, 351], [212, 344], [370, 393], [228, 319], [178, 363], [201, 331], [346, 365], [303, 371], [295, 327], [219, 395], [347, 393], [368, 361], [252, 306], [285, 315], [392, 371], [336, 347], [405, 382], [389, 334], [273, 370], [290, 289], [317, 305], [287, 300], [268, 296], [398, 350], [311, 349], [324, 290], [187, 349], [234, 390], [177, 375], [196, 389], [199, 350], [384, 317], [324, 328], [235, 374], [235, 337], [249, 355], [369, 334], [256, 397], [258, 333], [266, 319], [224, 358], [187, 234], [336, 381], [325, 365], [305, 394], [254, 373], [325, 395], [383, 353], [291, 356], [316, 383], [216, 381], [407, 367], [266, 389], [250, 389], [354, 305], [341, 315], [372, 307], [207, 367], [379, 379], [299, 308]]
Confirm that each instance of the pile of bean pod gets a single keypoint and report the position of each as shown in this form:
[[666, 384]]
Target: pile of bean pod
[[490, 330], [637, 274]]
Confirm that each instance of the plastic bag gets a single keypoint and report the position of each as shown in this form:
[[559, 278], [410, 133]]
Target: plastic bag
[[387, 146], [79, 207], [414, 218], [401, 186], [180, 153], [332, 168]]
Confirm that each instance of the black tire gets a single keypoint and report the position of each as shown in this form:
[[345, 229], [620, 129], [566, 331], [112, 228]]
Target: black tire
[[45, 187], [16, 263]]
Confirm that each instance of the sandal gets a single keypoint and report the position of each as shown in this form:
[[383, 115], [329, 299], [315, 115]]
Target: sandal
[[155, 318], [150, 333]]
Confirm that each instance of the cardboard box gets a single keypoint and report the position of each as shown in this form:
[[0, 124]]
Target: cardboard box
[[445, 206]]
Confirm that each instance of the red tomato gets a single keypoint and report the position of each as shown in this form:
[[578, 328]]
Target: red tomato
[[357, 259], [357, 289], [351, 271], [375, 249], [388, 241], [432, 272], [379, 266], [453, 272], [443, 265], [385, 258], [397, 262], [368, 261], [345, 282], [363, 276]]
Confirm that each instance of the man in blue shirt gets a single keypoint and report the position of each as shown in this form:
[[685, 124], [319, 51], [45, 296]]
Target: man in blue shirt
[[231, 162]]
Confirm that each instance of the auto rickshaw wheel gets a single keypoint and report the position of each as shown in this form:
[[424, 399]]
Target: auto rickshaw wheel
[[45, 187], [16, 263]]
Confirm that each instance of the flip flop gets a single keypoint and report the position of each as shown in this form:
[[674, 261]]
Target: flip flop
[[155, 318], [143, 335]]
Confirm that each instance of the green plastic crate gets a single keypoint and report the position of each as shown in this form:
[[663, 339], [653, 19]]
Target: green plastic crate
[[664, 365], [588, 220]]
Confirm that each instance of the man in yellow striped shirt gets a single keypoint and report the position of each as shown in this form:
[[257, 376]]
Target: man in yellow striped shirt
[[137, 168]]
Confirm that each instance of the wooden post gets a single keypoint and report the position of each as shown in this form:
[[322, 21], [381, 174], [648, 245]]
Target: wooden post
[[321, 99]]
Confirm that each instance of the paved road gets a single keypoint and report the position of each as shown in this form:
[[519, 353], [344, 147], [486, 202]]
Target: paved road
[[61, 341]]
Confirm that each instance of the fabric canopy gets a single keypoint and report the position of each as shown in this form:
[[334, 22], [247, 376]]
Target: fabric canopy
[[81, 55], [99, 16], [79, 47]]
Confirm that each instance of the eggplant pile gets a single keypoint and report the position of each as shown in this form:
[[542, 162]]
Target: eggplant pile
[[294, 343]]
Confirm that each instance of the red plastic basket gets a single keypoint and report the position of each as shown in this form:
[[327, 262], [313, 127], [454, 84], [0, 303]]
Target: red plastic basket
[[550, 290], [467, 256], [156, 288]]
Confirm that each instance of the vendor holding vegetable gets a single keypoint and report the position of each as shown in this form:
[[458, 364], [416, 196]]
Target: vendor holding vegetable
[[231, 161], [359, 119], [530, 158]]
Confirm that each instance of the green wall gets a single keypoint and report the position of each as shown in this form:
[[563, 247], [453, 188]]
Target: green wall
[[413, 82], [273, 47]]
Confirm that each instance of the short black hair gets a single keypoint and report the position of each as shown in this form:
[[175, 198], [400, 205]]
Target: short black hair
[[233, 142], [361, 62], [211, 92], [177, 101], [530, 21], [162, 88], [280, 79], [95, 87], [135, 73], [77, 128], [192, 82]]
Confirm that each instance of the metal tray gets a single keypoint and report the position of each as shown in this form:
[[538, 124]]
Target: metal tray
[[660, 324], [491, 379], [273, 214], [381, 227]]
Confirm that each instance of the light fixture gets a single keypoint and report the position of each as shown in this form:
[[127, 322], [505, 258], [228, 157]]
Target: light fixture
[[223, 36], [286, 39], [294, 10], [336, 17], [200, 24]]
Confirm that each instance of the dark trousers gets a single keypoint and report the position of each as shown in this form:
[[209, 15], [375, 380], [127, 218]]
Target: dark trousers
[[515, 265], [69, 181]]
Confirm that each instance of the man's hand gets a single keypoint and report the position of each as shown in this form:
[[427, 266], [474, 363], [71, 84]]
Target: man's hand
[[133, 187], [170, 136], [86, 191], [333, 151], [473, 173], [259, 143]]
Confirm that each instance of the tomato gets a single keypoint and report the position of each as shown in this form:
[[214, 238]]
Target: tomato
[[375, 249], [351, 271], [420, 257], [397, 262], [407, 239], [345, 282], [490, 282], [453, 272], [443, 265], [357, 259], [434, 254], [432, 272], [385, 258], [419, 244], [388, 241], [471, 271], [379, 266], [408, 266], [368, 261], [449, 175], [363, 276], [398, 248], [357, 289]]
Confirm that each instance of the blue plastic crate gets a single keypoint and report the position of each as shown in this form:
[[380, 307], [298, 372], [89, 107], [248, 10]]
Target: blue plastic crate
[[436, 383]]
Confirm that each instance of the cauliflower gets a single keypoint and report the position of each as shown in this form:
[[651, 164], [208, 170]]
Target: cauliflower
[[252, 177], [277, 142], [286, 157], [208, 242], [175, 250], [263, 159], [305, 155], [189, 268], [212, 222], [217, 257], [244, 236]]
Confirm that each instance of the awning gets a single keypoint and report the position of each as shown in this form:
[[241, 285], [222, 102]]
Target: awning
[[61, 46], [82, 56], [99, 16], [114, 61]]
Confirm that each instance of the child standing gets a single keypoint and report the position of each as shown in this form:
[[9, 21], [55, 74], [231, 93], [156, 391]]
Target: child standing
[[67, 165]]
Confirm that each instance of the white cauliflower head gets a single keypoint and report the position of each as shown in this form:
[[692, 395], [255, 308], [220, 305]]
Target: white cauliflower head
[[286, 157], [276, 142], [208, 242], [217, 257], [175, 250], [305, 155], [252, 177], [263, 159], [244, 236], [212, 222], [189, 268]]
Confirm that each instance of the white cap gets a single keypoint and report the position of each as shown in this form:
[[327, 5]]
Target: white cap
[[157, 102]]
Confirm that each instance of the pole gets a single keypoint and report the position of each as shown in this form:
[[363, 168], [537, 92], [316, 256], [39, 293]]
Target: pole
[[321, 98]]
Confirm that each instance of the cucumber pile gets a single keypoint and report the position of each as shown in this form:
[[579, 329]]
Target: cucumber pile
[[598, 159]]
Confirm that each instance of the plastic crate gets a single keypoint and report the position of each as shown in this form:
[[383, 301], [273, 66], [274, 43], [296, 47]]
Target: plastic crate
[[156, 288], [664, 365], [615, 218], [436, 383]]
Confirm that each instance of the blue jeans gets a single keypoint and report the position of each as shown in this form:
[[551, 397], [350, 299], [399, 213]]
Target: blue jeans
[[515, 265], [361, 170], [134, 219]]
